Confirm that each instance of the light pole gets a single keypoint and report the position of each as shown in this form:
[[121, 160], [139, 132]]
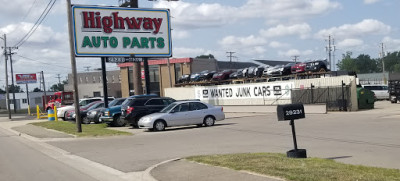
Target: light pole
[[6, 71]]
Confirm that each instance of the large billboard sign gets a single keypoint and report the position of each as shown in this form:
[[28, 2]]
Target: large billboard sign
[[101, 31], [25, 78], [270, 91]]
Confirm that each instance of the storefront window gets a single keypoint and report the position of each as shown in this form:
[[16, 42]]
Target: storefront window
[[178, 72]]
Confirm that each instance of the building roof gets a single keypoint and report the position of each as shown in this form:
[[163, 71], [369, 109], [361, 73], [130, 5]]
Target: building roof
[[273, 62], [224, 65]]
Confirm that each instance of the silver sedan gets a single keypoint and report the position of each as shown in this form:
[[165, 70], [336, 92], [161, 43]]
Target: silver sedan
[[183, 113]]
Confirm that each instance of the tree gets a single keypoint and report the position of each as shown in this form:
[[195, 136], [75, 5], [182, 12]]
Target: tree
[[2, 91], [15, 88], [209, 56], [36, 89], [57, 87], [391, 60], [362, 64]]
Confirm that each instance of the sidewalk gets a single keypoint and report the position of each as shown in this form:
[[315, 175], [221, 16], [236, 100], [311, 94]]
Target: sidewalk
[[177, 170]]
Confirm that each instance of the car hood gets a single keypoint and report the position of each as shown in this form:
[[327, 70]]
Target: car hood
[[156, 115], [65, 107]]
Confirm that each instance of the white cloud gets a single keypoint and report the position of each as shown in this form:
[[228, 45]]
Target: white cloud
[[391, 44], [348, 43], [295, 52], [363, 28], [236, 42], [370, 1], [189, 52], [177, 34], [302, 30], [276, 44], [194, 15]]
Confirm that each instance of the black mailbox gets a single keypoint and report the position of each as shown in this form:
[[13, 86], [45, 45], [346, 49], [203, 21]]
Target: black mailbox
[[290, 112]]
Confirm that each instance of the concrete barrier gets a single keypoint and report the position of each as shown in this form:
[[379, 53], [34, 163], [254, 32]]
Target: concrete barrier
[[308, 108]]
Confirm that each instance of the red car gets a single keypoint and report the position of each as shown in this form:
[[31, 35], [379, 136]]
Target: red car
[[222, 75], [298, 68]]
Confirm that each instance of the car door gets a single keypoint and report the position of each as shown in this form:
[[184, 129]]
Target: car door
[[180, 115], [198, 112]]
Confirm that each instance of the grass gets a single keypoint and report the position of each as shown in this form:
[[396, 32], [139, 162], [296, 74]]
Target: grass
[[87, 129], [310, 169]]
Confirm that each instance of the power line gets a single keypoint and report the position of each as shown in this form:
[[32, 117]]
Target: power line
[[37, 23], [23, 19]]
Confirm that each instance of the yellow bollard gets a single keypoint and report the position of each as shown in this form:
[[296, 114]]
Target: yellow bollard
[[38, 111], [29, 110], [55, 113]]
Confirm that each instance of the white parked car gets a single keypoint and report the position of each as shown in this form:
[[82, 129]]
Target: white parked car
[[183, 113], [62, 111], [381, 91]]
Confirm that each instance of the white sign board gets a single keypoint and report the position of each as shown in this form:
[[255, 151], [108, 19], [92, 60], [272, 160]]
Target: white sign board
[[115, 31], [267, 91]]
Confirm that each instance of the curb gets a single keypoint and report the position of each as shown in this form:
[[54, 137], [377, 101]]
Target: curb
[[146, 174]]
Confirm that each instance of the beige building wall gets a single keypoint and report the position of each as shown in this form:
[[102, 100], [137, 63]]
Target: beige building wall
[[164, 77], [124, 82]]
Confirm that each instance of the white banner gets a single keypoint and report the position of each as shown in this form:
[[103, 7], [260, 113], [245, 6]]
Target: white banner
[[266, 91], [101, 31]]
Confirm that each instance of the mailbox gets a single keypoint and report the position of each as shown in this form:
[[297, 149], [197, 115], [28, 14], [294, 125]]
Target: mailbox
[[290, 112]]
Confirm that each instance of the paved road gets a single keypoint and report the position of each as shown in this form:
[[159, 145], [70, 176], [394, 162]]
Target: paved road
[[365, 137], [20, 162]]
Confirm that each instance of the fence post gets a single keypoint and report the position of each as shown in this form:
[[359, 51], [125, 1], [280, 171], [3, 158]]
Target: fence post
[[343, 103], [312, 94]]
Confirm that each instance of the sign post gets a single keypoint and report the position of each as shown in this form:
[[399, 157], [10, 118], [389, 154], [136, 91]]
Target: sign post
[[292, 112], [26, 79]]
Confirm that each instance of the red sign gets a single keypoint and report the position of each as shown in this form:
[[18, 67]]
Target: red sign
[[25, 78]]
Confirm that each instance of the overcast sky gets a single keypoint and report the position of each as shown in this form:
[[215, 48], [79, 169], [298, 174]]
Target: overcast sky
[[254, 29]]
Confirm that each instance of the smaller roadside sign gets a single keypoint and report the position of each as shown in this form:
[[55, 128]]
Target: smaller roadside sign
[[122, 59], [25, 78]]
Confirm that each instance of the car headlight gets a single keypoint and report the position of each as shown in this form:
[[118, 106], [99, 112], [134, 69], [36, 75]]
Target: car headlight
[[107, 113], [145, 119]]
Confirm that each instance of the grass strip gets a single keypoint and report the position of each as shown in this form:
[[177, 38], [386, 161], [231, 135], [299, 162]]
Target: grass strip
[[310, 169], [88, 130]]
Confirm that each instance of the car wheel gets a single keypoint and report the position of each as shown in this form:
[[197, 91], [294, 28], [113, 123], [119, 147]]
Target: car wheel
[[85, 120], [322, 70], [96, 119], [209, 121], [65, 116], [118, 122], [159, 126]]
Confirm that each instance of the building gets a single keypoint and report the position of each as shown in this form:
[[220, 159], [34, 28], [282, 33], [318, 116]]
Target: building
[[35, 98], [91, 84], [159, 75]]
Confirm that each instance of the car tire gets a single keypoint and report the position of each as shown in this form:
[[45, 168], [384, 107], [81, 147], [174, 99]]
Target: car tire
[[118, 122], [96, 119], [322, 70], [209, 121], [65, 116], [159, 125], [85, 120]]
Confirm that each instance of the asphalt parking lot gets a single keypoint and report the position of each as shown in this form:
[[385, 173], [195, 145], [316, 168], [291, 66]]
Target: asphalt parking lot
[[365, 137]]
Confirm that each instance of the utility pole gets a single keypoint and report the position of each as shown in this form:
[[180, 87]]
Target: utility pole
[[383, 62], [44, 88], [59, 78], [6, 71], [329, 50], [295, 58], [12, 80], [230, 58]]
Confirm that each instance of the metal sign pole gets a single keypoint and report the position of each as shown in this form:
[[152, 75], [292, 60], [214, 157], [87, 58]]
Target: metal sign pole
[[293, 134], [73, 66], [103, 74]]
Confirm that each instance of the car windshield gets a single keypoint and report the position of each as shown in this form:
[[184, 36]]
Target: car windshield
[[116, 102], [168, 108]]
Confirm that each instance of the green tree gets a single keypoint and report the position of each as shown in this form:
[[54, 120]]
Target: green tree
[[365, 64], [391, 60], [15, 88], [36, 89], [347, 63]]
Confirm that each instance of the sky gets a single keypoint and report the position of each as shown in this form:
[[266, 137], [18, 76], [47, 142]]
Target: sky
[[253, 29]]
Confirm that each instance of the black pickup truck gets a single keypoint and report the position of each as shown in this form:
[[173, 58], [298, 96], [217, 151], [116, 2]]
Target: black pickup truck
[[133, 109]]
